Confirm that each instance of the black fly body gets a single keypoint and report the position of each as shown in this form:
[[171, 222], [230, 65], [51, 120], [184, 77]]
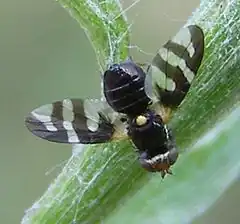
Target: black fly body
[[138, 104]]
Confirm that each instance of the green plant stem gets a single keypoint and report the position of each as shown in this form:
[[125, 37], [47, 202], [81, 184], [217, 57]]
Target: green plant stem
[[201, 177], [92, 185], [105, 26]]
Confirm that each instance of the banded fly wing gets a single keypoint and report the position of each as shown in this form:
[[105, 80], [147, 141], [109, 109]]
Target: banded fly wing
[[174, 67], [75, 121]]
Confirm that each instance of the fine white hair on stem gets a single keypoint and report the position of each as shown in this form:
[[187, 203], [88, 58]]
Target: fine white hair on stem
[[85, 189], [55, 167], [123, 12], [139, 49]]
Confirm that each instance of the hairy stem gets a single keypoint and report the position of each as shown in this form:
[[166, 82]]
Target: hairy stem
[[92, 185]]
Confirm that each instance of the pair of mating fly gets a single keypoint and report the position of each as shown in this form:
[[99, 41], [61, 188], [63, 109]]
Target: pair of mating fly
[[138, 104]]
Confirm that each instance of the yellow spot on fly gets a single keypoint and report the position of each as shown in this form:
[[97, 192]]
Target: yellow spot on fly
[[141, 120]]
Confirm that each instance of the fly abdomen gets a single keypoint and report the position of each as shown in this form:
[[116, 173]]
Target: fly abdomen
[[124, 88], [129, 99]]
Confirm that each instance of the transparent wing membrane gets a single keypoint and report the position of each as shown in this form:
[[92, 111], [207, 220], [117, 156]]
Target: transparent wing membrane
[[75, 121], [174, 67]]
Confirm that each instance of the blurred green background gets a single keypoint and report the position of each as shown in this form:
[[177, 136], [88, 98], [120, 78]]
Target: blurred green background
[[45, 56]]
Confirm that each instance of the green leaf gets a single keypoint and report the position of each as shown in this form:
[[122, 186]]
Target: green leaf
[[101, 178], [201, 176]]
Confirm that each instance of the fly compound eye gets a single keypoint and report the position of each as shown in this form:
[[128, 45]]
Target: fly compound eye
[[141, 120]]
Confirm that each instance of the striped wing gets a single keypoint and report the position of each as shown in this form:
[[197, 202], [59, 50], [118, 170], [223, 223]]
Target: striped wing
[[76, 121], [174, 67]]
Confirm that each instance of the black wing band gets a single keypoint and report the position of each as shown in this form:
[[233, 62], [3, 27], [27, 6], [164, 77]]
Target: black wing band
[[175, 66], [71, 121]]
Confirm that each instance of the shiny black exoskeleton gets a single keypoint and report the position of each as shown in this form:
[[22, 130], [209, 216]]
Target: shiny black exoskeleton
[[129, 92], [125, 93], [151, 136], [154, 142], [124, 88]]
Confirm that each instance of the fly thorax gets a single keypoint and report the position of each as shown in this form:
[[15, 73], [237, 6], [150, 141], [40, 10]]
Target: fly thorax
[[148, 133]]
